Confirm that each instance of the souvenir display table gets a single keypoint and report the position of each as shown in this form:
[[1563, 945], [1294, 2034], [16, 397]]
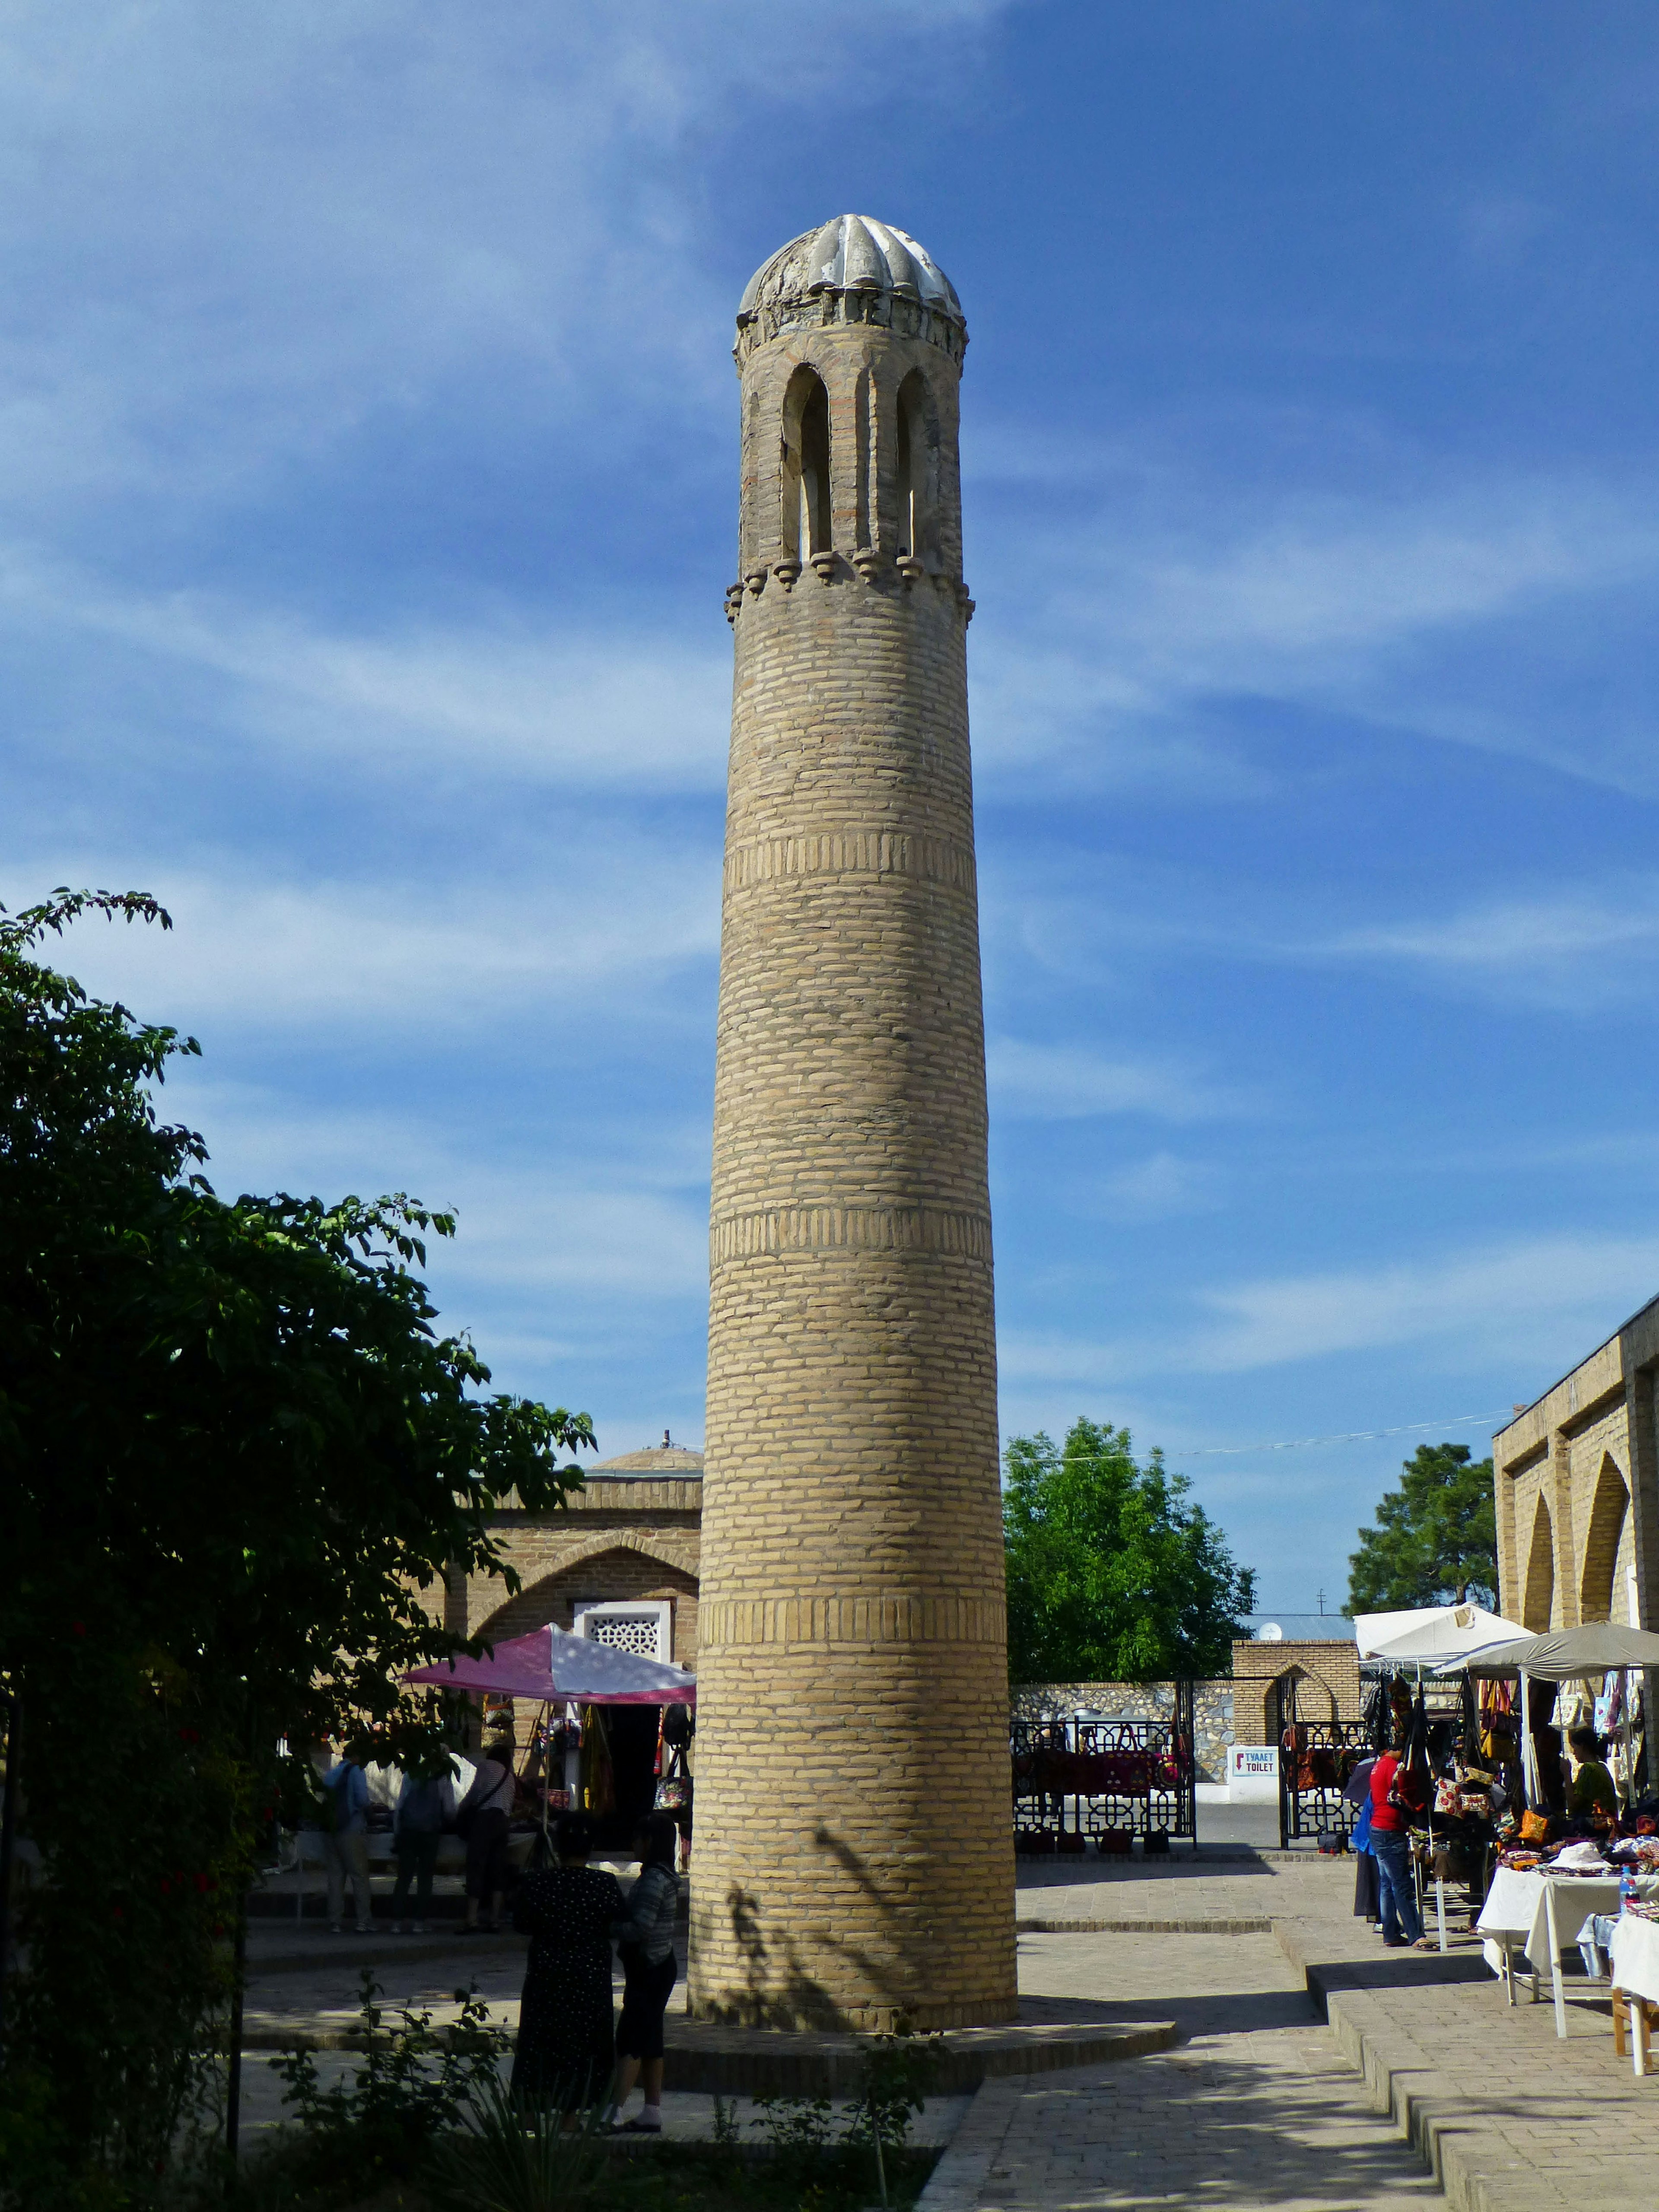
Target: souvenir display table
[[1537, 1913], [1634, 1961]]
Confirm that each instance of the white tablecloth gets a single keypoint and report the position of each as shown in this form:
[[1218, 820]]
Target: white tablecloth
[[1515, 1906], [1635, 1955]]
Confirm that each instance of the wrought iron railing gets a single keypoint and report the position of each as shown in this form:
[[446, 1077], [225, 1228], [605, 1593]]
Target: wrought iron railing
[[1316, 1759], [1096, 1777]]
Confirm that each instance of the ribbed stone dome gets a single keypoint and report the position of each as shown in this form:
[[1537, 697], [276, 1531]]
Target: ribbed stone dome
[[853, 254]]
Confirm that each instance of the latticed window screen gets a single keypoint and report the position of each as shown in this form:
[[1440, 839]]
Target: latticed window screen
[[625, 1632]]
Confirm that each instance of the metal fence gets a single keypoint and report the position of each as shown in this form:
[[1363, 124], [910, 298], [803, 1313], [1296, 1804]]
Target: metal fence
[[1089, 1778], [1316, 1759]]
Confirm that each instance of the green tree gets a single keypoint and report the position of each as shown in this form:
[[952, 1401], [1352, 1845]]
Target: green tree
[[1113, 1576], [240, 1461], [1436, 1538]]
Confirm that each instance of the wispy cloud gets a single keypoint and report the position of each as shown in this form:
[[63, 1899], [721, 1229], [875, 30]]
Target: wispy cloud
[[1566, 1292], [1508, 935], [1116, 644], [227, 245], [1529, 1306], [333, 956], [603, 709], [1160, 1188], [1062, 1082]]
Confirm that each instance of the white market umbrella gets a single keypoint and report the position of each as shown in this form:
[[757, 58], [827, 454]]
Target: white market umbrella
[[1431, 1636]]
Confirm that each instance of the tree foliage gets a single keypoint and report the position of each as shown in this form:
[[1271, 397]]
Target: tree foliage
[[240, 1460], [1436, 1538], [1113, 1575]]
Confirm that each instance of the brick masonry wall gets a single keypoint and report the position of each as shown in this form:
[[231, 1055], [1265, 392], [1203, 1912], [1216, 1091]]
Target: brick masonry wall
[[1212, 1711], [1326, 1676], [853, 1845], [614, 1540]]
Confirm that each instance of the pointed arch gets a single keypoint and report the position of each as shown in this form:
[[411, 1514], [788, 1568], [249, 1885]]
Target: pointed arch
[[916, 466], [1304, 1693], [1607, 1526], [1538, 1601], [614, 1562], [803, 468]]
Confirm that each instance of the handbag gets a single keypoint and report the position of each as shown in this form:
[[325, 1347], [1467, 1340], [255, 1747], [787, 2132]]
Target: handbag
[[674, 1794]]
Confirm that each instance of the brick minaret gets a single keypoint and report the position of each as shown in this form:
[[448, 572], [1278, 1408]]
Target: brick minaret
[[853, 1859]]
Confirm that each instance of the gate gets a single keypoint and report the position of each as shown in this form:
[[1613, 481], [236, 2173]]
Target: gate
[[1316, 1759], [1094, 1778]]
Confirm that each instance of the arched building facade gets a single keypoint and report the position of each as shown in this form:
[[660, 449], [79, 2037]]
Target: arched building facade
[[1577, 1491], [621, 1561]]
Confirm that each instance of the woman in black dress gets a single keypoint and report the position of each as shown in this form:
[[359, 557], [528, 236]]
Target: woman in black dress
[[566, 2043]]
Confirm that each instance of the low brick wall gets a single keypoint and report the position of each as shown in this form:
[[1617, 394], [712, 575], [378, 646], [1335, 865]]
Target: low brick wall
[[1212, 1711]]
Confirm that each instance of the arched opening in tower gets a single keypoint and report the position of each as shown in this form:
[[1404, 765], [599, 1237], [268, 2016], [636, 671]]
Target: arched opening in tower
[[911, 470], [805, 479]]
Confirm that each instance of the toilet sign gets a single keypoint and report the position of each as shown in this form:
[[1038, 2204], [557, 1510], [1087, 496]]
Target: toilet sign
[[1253, 1773]]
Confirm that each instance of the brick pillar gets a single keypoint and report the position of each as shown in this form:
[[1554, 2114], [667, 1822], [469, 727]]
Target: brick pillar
[[853, 1857]]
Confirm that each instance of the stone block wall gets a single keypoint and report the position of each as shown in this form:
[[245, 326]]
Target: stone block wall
[[1212, 1711]]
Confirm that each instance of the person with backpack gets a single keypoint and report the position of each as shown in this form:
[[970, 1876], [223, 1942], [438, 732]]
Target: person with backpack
[[646, 1944], [426, 1804], [345, 1838], [483, 1816]]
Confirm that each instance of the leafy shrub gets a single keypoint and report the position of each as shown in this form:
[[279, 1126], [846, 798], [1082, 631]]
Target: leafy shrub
[[416, 2082], [514, 2157]]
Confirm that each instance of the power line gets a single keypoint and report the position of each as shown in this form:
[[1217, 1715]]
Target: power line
[[1354, 1436]]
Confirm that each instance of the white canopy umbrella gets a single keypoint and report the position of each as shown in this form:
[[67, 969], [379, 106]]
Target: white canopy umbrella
[[1430, 1635], [1562, 1654]]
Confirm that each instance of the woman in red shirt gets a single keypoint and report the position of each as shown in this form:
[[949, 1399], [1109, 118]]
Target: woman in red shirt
[[1396, 1898]]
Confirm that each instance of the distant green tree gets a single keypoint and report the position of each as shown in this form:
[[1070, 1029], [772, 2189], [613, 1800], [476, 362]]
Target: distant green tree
[[1112, 1575], [1436, 1538]]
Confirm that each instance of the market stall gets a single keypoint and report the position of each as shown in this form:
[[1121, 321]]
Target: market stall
[[618, 1772], [1555, 1880]]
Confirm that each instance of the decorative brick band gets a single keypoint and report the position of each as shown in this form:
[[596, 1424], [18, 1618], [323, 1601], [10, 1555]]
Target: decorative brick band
[[852, 852], [747, 1624], [849, 1228]]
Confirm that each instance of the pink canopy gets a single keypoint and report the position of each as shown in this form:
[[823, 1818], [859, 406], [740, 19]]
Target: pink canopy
[[549, 1665]]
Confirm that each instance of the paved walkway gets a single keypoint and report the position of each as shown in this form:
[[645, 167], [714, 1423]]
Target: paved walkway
[[1263, 2102], [1257, 2106], [1423, 2077]]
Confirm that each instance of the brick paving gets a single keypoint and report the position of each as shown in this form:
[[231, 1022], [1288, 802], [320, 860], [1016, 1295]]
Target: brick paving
[[1261, 2103], [1423, 2079], [1255, 2107]]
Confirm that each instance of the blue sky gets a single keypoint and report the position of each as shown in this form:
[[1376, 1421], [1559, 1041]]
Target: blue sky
[[366, 500]]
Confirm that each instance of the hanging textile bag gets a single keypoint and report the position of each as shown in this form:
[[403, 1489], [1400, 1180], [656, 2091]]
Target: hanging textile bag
[[674, 1794]]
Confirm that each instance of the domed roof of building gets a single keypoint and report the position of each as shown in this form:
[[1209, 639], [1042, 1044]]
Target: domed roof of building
[[853, 254], [666, 1458]]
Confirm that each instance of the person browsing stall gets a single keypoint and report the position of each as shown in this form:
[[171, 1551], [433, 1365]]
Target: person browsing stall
[[1390, 1844], [645, 1941], [1592, 1795]]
